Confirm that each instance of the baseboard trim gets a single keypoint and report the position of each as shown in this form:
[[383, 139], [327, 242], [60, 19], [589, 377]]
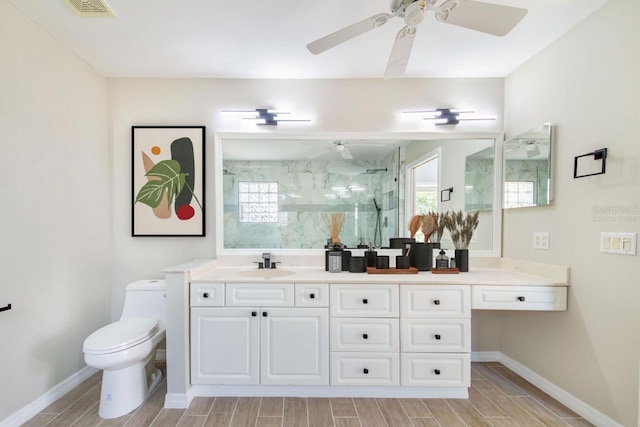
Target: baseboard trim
[[330, 391], [55, 393], [585, 410], [179, 400]]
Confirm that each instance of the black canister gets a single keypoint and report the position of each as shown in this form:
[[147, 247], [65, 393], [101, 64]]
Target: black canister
[[371, 258], [346, 260], [402, 262], [400, 242], [357, 265], [382, 263], [422, 256]]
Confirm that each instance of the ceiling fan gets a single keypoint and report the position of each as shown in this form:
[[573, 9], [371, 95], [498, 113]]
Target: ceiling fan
[[488, 18]]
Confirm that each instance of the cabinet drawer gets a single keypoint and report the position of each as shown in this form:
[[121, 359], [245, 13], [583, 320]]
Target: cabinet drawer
[[436, 370], [544, 298], [435, 301], [365, 369], [364, 300], [260, 295], [364, 334], [312, 295], [206, 295], [436, 335]]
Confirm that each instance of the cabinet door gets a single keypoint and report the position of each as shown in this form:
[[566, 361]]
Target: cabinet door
[[225, 345], [295, 346]]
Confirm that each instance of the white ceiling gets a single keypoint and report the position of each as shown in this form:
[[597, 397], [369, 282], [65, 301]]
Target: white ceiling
[[267, 38]]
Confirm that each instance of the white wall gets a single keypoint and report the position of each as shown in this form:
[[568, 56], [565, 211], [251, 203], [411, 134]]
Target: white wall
[[588, 84], [334, 106], [56, 207]]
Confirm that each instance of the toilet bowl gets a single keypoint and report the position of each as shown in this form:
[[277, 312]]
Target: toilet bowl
[[125, 350]]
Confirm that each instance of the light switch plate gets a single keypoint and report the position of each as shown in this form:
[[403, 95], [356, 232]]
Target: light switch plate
[[541, 240], [618, 243]]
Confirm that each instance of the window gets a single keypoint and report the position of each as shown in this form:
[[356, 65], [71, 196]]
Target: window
[[258, 201], [518, 193]]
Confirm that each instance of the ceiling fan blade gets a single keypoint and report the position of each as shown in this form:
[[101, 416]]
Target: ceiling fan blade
[[488, 18], [348, 33], [400, 53]]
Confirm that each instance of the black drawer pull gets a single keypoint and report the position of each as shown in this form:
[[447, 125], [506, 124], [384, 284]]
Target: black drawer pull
[[520, 299], [6, 307], [264, 314], [312, 296], [365, 301], [205, 295], [365, 336], [436, 371], [437, 336], [254, 313], [436, 301], [365, 371]]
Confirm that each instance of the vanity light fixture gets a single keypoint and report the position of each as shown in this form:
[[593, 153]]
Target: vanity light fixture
[[449, 116], [265, 116]]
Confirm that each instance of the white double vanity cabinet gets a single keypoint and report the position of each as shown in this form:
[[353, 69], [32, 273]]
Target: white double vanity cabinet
[[305, 332]]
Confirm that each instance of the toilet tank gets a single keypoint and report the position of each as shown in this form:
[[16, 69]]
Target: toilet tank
[[145, 298]]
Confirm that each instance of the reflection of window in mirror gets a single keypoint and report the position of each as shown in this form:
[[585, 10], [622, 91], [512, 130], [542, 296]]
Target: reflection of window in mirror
[[425, 189], [258, 201], [518, 194]]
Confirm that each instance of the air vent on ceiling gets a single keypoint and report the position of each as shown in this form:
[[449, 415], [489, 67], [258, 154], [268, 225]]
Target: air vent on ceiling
[[91, 8]]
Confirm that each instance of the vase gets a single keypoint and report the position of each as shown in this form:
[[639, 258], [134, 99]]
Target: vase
[[462, 259]]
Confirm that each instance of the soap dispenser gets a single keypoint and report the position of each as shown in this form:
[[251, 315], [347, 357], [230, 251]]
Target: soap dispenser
[[442, 260], [371, 256]]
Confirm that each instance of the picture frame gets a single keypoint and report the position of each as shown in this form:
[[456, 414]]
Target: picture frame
[[168, 181]]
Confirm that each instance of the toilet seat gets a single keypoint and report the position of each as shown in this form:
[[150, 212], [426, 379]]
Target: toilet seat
[[120, 335]]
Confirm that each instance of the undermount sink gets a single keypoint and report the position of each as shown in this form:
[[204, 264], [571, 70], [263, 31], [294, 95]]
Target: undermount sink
[[265, 273]]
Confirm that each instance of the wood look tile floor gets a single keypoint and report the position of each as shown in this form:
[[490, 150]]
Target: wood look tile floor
[[497, 397]]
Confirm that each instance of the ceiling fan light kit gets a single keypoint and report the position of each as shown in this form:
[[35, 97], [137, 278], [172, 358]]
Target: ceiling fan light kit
[[488, 18]]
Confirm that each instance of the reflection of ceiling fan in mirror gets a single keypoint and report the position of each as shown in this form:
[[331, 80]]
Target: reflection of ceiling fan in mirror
[[484, 17], [346, 149]]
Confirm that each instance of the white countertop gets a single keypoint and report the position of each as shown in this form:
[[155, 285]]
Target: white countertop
[[476, 276]]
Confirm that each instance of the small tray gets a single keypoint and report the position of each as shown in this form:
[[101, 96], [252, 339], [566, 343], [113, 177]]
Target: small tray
[[445, 270], [410, 270]]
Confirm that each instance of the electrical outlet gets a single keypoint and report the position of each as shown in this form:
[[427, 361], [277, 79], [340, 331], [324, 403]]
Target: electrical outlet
[[541, 240], [618, 243]]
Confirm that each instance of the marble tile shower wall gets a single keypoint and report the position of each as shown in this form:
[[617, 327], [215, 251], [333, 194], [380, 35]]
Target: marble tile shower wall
[[478, 185], [306, 190], [533, 171]]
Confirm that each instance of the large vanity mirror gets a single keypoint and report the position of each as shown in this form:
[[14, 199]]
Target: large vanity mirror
[[277, 192], [528, 168]]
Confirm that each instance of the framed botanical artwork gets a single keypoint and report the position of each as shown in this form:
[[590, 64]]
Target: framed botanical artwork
[[168, 180]]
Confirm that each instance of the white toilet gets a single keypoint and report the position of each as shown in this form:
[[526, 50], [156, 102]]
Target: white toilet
[[125, 350]]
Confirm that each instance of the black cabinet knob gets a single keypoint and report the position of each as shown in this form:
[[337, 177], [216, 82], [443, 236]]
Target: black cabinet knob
[[520, 298], [254, 313], [365, 301], [205, 295], [436, 371], [312, 296], [437, 336], [436, 301], [365, 336], [365, 371], [264, 314]]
